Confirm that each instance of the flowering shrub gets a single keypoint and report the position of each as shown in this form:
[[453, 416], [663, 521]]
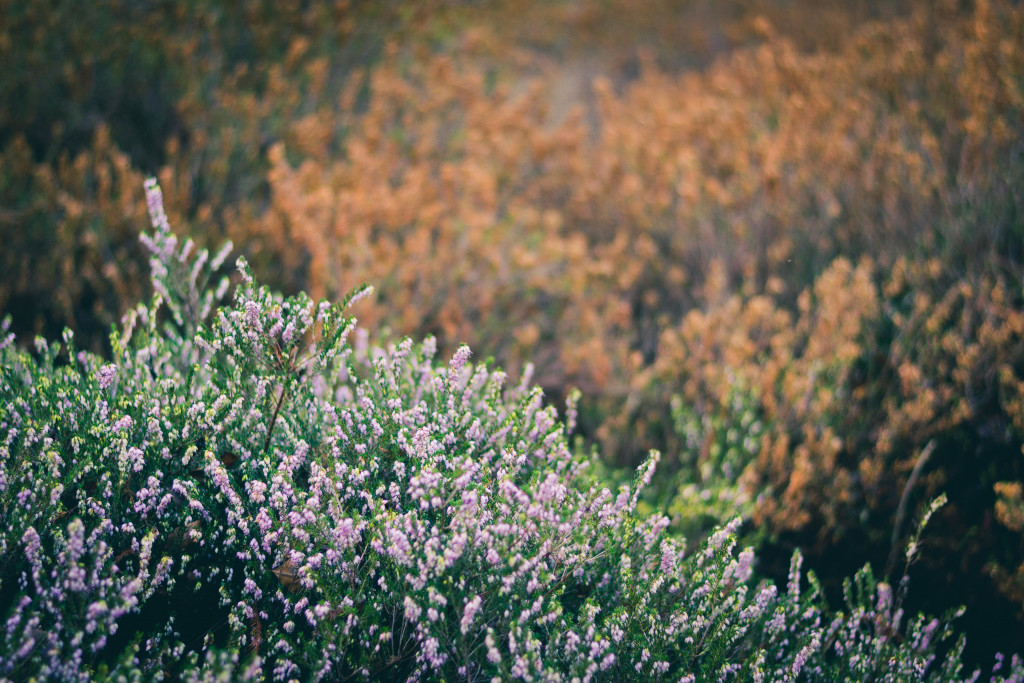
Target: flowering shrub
[[244, 491], [811, 244]]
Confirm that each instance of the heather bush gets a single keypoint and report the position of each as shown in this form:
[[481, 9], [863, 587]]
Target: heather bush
[[781, 244], [255, 491]]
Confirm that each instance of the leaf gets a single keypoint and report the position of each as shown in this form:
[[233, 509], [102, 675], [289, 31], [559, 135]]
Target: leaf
[[288, 575]]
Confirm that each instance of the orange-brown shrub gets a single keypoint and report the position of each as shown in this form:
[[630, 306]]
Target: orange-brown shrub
[[455, 192], [196, 89], [864, 396], [70, 253]]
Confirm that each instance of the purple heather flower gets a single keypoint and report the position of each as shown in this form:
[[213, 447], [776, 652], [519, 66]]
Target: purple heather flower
[[469, 614], [359, 295], [107, 375], [136, 458], [459, 360], [804, 655], [412, 610], [744, 566], [32, 545], [155, 205], [252, 318]]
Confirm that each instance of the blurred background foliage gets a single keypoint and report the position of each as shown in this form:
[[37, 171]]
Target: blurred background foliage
[[781, 241]]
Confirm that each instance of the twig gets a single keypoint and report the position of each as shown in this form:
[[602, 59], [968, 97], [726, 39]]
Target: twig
[[273, 420], [901, 510]]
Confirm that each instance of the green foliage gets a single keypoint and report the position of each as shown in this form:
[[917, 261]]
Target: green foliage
[[248, 492]]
